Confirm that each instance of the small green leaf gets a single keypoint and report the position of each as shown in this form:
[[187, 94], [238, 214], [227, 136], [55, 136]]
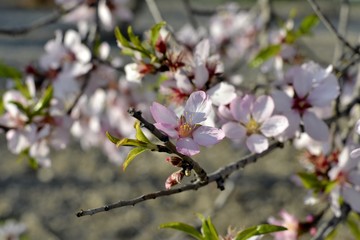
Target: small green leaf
[[33, 163], [19, 85], [140, 134], [208, 229], [258, 230], [184, 228], [307, 24], [44, 102], [135, 39], [7, 71], [131, 155], [123, 41], [113, 139], [310, 181], [353, 222], [131, 143], [264, 55], [154, 33]]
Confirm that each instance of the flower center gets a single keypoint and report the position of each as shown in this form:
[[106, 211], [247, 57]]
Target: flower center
[[185, 130], [252, 127], [300, 104]]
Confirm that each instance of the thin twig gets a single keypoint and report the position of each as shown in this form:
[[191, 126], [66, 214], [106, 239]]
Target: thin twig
[[53, 18], [219, 175], [154, 10], [190, 15], [330, 225], [330, 26]]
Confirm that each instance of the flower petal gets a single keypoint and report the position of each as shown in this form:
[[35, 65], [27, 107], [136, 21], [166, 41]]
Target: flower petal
[[257, 143], [325, 92], [222, 94], [316, 128], [162, 114], [282, 101], [197, 107], [302, 83], [352, 196], [187, 146], [240, 108], [263, 108], [207, 136], [234, 130], [274, 126]]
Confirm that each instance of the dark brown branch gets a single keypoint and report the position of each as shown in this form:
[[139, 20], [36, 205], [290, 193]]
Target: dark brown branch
[[218, 176], [200, 172], [51, 19], [330, 26]]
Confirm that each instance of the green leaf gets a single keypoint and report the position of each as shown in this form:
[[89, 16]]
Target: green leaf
[[123, 41], [19, 85], [310, 181], [208, 229], [44, 102], [131, 155], [353, 222], [184, 228], [140, 134], [307, 24], [113, 139], [135, 39], [131, 143], [264, 55], [258, 230], [154, 32], [7, 71]]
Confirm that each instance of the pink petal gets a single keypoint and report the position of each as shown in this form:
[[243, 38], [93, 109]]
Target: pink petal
[[324, 93], [187, 146], [224, 112], [240, 108], [207, 136], [257, 143], [197, 107], [274, 126], [294, 123], [355, 153], [201, 76], [302, 83], [162, 114], [183, 82], [316, 128], [234, 130], [262, 108], [202, 50], [167, 129]]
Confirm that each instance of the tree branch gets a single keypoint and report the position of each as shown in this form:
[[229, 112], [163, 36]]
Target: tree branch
[[330, 26], [53, 18], [219, 175]]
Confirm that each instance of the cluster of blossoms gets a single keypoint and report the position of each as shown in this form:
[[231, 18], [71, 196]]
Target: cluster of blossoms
[[75, 89]]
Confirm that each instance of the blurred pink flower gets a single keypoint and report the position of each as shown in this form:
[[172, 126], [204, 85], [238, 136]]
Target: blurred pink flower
[[187, 130], [290, 222]]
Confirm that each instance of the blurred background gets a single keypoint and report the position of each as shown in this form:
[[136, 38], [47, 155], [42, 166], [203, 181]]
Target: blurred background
[[47, 200]]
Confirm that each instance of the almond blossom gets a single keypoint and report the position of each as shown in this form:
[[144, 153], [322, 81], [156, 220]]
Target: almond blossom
[[187, 130], [251, 120], [310, 86], [347, 174]]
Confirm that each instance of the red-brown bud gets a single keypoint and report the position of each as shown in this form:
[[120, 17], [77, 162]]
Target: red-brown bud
[[175, 161], [174, 179], [160, 46]]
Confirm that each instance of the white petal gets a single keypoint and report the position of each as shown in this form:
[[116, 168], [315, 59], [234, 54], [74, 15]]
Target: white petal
[[162, 114], [257, 143], [274, 126], [302, 83], [352, 196], [263, 108], [201, 76], [241, 108], [222, 94], [197, 107], [316, 128]]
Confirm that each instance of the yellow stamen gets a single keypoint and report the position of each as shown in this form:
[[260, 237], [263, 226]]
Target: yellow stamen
[[252, 127]]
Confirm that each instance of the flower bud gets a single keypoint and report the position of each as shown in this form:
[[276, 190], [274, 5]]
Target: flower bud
[[174, 179], [175, 161]]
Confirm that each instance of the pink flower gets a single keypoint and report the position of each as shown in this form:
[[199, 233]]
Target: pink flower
[[253, 122], [311, 86], [290, 222], [187, 130]]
